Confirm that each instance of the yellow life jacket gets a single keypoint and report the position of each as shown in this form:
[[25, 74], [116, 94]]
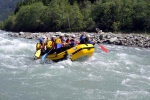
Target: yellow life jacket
[[38, 46], [49, 44], [58, 41]]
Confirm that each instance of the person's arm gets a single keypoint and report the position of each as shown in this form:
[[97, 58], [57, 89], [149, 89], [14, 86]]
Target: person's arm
[[67, 41], [82, 39], [91, 42]]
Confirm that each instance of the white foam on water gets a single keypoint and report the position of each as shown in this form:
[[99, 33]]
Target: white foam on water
[[122, 55], [137, 49], [126, 81], [92, 77], [128, 62], [142, 71], [47, 75], [135, 76], [130, 95]]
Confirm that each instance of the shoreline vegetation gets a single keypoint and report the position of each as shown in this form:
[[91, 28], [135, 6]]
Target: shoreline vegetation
[[79, 15], [76, 16], [132, 40]]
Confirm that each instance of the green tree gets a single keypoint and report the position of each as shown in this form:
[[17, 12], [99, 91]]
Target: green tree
[[1, 25], [140, 16], [80, 15], [28, 17], [116, 26], [9, 24], [86, 9], [52, 16]]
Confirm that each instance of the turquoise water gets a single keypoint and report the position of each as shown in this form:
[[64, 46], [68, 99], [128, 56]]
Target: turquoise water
[[122, 74]]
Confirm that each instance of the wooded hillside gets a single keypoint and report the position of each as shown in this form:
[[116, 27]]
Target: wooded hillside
[[80, 15], [7, 7]]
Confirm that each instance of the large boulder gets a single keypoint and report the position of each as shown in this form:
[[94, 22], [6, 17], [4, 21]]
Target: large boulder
[[21, 33], [113, 39]]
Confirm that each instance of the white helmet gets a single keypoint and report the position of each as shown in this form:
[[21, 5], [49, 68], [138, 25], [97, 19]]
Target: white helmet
[[73, 36], [53, 36], [61, 34], [87, 35]]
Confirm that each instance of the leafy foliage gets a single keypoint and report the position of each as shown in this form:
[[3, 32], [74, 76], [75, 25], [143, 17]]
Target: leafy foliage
[[29, 17], [80, 15]]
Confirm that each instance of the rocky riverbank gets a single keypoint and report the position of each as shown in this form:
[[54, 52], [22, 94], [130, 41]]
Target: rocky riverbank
[[136, 40]]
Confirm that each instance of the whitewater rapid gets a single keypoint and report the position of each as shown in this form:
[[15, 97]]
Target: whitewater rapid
[[121, 74]]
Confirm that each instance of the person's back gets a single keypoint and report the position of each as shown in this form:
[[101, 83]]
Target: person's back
[[73, 41], [88, 40], [41, 45], [61, 41], [58, 43], [49, 45], [82, 38], [68, 39]]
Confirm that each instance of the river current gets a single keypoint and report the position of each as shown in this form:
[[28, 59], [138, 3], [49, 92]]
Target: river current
[[121, 74]]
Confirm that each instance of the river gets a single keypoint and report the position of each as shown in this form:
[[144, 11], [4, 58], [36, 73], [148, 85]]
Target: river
[[121, 74]]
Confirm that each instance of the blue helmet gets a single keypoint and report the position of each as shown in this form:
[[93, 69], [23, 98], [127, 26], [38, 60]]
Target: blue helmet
[[41, 40]]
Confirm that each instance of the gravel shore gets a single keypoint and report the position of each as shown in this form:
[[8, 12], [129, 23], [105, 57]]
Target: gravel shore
[[135, 40]]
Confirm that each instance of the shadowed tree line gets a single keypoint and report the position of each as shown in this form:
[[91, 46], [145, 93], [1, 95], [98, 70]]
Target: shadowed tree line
[[80, 15], [7, 7]]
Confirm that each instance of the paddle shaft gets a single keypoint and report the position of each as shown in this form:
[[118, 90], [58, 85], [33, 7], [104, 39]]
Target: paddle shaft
[[45, 55]]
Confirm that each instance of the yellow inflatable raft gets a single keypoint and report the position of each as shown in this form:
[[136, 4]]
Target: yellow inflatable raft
[[74, 53]]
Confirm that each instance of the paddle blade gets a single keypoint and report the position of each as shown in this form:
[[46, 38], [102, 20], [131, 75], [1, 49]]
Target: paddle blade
[[103, 48], [38, 53], [44, 57]]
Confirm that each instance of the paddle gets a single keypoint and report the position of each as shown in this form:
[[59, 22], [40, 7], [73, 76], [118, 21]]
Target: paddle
[[37, 53], [45, 55], [103, 48]]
